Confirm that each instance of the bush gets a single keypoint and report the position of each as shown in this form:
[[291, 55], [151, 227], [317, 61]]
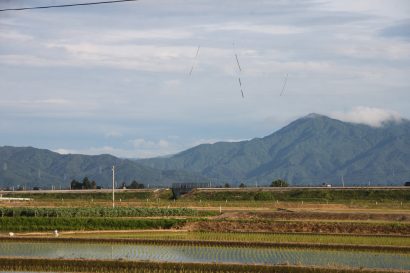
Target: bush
[[279, 183], [69, 223], [99, 212]]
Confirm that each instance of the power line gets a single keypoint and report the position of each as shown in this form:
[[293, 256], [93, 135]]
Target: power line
[[195, 60], [284, 85], [68, 5]]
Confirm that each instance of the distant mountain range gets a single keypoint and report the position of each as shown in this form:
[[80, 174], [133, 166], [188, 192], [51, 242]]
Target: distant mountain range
[[29, 167], [309, 151]]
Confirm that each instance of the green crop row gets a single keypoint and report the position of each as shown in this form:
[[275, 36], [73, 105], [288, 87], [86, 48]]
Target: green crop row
[[84, 195], [44, 265], [13, 224], [261, 237], [100, 212], [313, 195]]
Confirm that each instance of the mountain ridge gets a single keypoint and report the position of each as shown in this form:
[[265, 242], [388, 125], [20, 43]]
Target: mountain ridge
[[302, 152], [31, 167], [308, 151]]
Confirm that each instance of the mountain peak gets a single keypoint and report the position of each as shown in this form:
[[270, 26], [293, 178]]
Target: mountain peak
[[315, 115]]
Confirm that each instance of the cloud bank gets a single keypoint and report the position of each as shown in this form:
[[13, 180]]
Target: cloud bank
[[371, 116]]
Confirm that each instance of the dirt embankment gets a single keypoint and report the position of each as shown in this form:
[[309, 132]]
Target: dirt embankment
[[300, 227], [309, 215], [121, 266]]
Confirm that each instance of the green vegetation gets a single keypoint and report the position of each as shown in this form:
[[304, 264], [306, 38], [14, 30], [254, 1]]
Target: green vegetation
[[101, 212], [310, 150], [311, 226], [259, 237], [86, 195], [279, 183], [25, 163], [106, 266], [307, 195], [85, 185], [15, 224], [134, 185]]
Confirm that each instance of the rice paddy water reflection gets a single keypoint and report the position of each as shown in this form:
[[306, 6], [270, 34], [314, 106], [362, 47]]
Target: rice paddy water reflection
[[209, 254]]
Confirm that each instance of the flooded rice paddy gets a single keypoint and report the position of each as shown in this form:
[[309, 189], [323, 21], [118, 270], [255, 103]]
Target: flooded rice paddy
[[208, 254]]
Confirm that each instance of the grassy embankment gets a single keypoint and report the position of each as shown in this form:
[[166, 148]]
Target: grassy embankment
[[101, 212], [107, 266], [299, 218], [247, 198], [99, 218], [367, 198], [20, 224], [254, 237]]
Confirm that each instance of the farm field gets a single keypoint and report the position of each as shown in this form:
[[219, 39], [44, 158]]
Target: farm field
[[302, 231], [249, 237], [208, 254]]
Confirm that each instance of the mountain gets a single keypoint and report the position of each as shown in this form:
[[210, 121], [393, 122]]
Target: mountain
[[310, 150], [27, 166]]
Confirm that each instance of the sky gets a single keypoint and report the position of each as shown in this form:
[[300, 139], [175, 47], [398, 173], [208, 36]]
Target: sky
[[115, 78]]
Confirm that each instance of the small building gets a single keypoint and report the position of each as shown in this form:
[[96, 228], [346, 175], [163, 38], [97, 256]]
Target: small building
[[179, 189]]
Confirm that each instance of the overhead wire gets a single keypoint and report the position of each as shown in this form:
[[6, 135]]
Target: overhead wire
[[284, 85], [67, 5], [237, 61], [195, 60], [240, 85], [240, 70]]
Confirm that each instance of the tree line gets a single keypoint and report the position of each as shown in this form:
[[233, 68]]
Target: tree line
[[87, 184], [275, 183]]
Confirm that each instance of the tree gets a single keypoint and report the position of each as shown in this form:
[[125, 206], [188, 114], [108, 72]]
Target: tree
[[75, 185], [135, 185], [279, 183], [242, 185], [86, 183], [227, 185]]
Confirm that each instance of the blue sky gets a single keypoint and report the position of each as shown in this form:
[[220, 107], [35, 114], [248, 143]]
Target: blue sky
[[115, 78]]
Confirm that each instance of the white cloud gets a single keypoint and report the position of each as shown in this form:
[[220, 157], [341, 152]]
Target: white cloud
[[144, 148], [255, 28], [121, 36], [89, 72], [392, 8], [141, 143], [375, 117], [64, 151], [14, 36], [163, 143], [113, 134], [381, 50], [36, 103], [98, 151]]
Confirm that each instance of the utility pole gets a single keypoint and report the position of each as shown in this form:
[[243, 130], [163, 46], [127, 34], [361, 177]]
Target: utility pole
[[113, 182]]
